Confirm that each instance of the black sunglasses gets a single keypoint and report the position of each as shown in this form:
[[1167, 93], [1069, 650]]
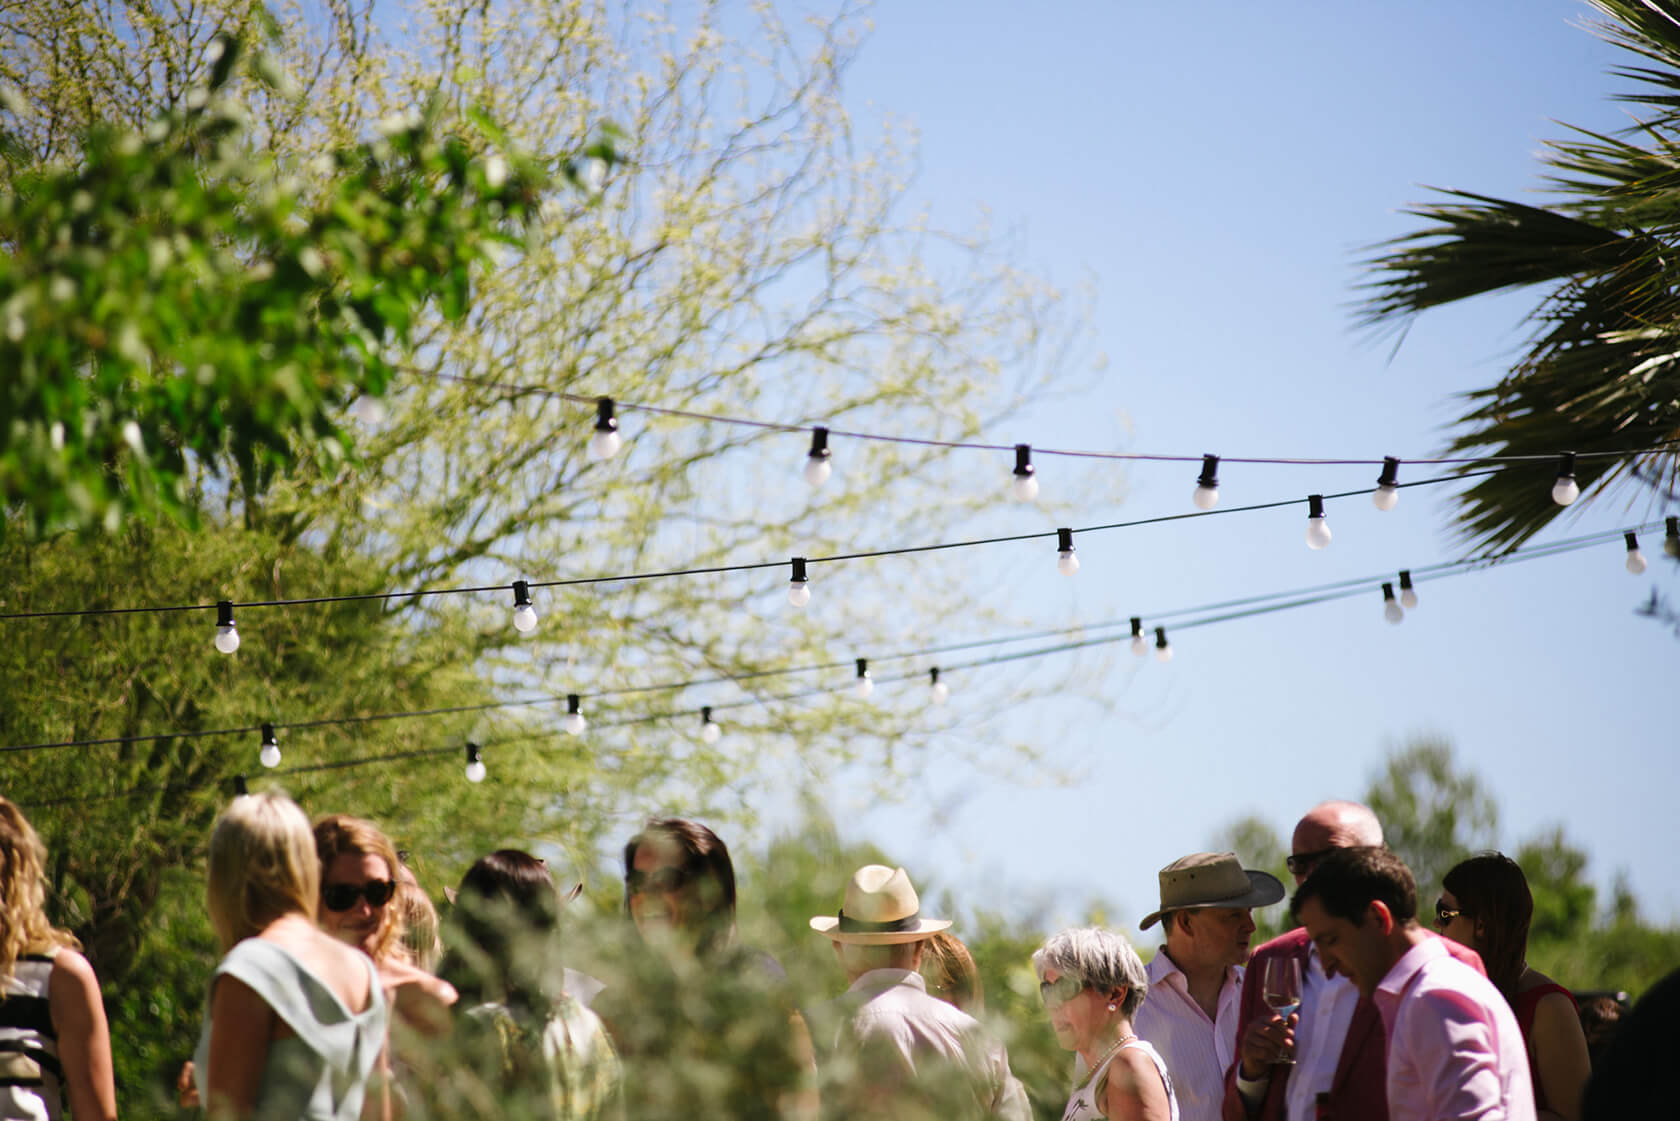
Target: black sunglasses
[[1445, 914], [1302, 863], [342, 897], [660, 880], [1056, 993]]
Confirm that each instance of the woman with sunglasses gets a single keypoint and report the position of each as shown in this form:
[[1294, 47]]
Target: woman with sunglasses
[[295, 1024], [357, 906], [1485, 904], [1092, 982]]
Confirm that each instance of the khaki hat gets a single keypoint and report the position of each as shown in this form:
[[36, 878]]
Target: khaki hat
[[881, 910], [1212, 879]]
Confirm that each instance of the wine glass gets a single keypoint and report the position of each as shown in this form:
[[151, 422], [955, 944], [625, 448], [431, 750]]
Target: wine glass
[[1282, 990]]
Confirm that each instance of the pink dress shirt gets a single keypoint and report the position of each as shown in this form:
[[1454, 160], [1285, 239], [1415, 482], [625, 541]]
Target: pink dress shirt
[[1198, 1051], [1454, 1048]]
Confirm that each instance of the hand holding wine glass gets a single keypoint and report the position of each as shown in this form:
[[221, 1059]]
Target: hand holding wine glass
[[1282, 991]]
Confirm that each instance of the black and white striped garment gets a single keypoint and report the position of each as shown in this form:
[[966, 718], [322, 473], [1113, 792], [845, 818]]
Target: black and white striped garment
[[31, 1079]]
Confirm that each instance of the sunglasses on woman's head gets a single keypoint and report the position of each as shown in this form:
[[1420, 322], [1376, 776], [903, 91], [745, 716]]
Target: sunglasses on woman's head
[[658, 880], [1056, 993], [342, 897]]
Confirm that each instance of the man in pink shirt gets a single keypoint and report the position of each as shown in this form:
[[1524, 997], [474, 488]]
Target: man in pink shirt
[[1454, 1048]]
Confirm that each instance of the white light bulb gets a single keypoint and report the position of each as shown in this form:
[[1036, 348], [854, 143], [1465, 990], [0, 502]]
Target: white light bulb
[[939, 692], [1026, 487], [710, 732], [524, 618], [1066, 562], [1565, 491], [1392, 611], [864, 688], [1408, 598], [1205, 498], [1318, 534], [604, 444], [574, 723], [368, 410], [270, 755], [1163, 653], [1385, 497], [1635, 561], [799, 592], [476, 771], [227, 639], [817, 470], [1140, 645]]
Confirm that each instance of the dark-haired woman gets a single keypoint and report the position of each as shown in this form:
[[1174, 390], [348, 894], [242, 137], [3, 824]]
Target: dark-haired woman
[[706, 1026], [535, 1050], [1486, 905]]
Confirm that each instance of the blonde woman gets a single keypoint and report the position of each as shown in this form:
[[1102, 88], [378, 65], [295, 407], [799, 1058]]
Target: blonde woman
[[55, 1048], [295, 1023]]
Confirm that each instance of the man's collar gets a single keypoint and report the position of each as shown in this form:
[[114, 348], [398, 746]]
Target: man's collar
[[880, 980]]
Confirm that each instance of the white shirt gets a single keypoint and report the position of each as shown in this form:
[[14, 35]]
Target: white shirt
[[1326, 1011], [1198, 1050], [1454, 1048], [893, 1006]]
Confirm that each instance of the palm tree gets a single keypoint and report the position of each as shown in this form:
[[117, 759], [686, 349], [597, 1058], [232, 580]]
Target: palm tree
[[1601, 371]]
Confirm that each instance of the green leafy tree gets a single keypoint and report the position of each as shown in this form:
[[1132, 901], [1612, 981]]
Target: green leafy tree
[[1432, 813], [1599, 373]]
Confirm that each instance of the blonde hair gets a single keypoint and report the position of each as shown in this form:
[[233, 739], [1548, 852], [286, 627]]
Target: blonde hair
[[262, 866], [337, 834], [420, 926], [24, 928]]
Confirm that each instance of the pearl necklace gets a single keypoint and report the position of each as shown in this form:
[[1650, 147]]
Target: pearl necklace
[[1109, 1054]]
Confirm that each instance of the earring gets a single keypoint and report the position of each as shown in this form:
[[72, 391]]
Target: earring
[[1112, 1006]]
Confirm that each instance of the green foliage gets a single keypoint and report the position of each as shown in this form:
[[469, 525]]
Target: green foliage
[[1599, 373], [172, 299]]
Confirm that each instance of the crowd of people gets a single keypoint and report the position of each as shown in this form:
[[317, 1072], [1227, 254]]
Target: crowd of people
[[341, 995]]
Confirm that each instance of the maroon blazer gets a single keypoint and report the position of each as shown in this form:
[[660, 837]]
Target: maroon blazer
[[1359, 1089]]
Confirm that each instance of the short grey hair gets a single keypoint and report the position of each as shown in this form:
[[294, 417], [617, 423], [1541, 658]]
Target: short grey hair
[[1100, 958]]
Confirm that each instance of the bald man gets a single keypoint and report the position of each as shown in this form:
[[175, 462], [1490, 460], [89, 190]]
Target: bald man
[[1336, 1038]]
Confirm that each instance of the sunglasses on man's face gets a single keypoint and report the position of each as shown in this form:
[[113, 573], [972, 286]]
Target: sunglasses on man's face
[[662, 880], [1302, 863], [1056, 993], [342, 897]]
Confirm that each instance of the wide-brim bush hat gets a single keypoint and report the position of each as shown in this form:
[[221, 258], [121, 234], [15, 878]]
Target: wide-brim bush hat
[[1213, 879]]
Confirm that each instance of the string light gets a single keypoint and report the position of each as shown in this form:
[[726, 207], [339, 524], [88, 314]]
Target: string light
[[1207, 484], [1318, 533], [1391, 606], [938, 691], [865, 685], [709, 730], [1163, 649], [1671, 541], [270, 755], [605, 443], [524, 615], [1635, 558], [573, 722], [1026, 480], [1566, 489], [1140, 644], [817, 464], [799, 588], [1066, 563], [1387, 494], [1408, 594], [475, 763], [240, 788], [227, 632]]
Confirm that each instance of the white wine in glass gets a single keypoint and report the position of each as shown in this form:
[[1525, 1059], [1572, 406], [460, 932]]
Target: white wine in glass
[[1282, 990]]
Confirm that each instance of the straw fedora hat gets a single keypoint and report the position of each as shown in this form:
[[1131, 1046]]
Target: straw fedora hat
[[881, 910], [1213, 879]]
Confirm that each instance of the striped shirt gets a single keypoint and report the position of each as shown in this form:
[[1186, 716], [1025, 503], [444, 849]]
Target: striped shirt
[[31, 1078], [1198, 1050]]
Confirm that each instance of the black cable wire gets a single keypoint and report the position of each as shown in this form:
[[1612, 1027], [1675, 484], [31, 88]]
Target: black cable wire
[[745, 567], [1246, 607]]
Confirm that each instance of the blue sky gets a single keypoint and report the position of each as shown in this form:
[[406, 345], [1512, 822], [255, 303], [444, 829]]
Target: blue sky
[[1211, 172]]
